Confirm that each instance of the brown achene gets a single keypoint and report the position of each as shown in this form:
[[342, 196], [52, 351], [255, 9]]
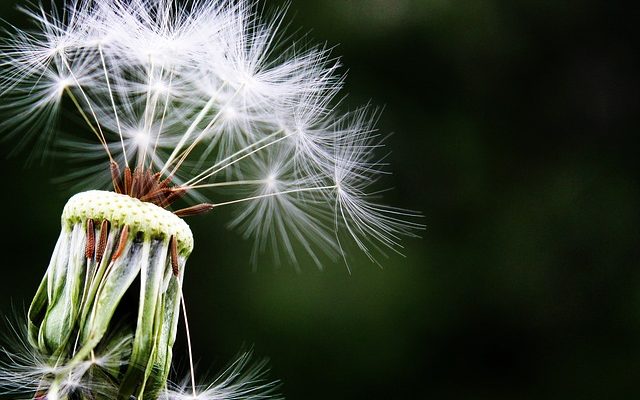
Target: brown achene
[[145, 185]]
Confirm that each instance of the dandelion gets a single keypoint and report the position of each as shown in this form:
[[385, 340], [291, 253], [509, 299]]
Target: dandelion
[[198, 104]]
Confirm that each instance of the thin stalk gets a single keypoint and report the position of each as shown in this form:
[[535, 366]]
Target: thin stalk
[[186, 327], [88, 121], [149, 110], [113, 104], [262, 196], [200, 177], [93, 113], [190, 130], [202, 134], [212, 173], [164, 114], [231, 183]]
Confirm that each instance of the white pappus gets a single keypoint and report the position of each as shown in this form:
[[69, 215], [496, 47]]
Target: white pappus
[[206, 95]]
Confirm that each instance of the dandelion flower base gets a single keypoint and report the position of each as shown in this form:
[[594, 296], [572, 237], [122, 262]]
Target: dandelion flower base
[[112, 249], [121, 210]]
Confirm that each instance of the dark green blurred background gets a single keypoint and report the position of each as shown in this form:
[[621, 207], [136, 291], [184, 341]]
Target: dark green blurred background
[[515, 126]]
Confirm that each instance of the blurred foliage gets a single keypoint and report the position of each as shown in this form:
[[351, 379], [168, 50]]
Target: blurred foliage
[[515, 127]]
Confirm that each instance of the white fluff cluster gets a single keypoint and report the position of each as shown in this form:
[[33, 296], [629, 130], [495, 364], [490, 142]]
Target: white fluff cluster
[[241, 380], [205, 94], [24, 371]]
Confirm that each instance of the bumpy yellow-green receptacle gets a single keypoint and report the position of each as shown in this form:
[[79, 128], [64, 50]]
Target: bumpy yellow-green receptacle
[[78, 311]]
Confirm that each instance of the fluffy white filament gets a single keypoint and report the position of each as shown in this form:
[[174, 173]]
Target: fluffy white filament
[[241, 380], [207, 95], [25, 371]]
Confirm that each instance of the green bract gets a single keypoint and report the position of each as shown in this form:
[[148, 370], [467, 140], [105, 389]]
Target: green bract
[[76, 312]]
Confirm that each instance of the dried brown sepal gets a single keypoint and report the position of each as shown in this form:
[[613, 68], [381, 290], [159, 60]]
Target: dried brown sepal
[[194, 210], [173, 250], [122, 242], [90, 248], [102, 241]]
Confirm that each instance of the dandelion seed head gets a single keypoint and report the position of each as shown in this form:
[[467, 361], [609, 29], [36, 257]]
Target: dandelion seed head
[[208, 96], [142, 139], [159, 87], [64, 83], [271, 182]]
